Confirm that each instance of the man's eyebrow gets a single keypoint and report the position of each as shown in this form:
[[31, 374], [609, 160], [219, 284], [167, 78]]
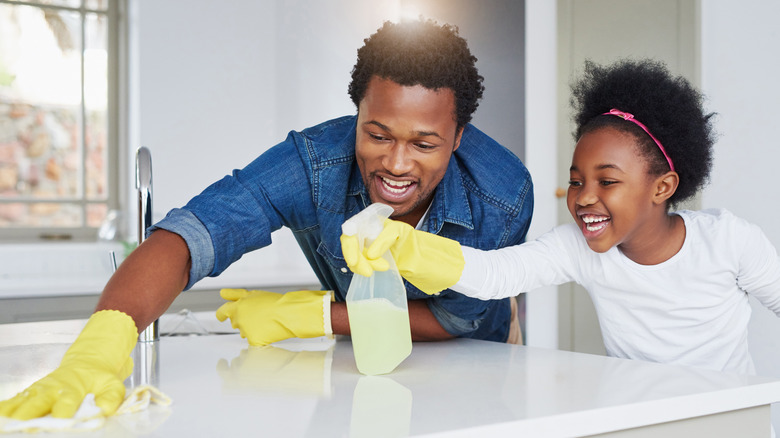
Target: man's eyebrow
[[380, 125], [417, 133], [429, 133]]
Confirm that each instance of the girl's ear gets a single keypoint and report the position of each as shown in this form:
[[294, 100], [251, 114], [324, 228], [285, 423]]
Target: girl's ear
[[665, 186]]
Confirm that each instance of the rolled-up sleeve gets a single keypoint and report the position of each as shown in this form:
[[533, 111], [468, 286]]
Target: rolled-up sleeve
[[194, 233], [449, 314]]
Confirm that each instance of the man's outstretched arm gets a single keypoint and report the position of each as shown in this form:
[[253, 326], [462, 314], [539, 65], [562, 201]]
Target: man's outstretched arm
[[148, 281]]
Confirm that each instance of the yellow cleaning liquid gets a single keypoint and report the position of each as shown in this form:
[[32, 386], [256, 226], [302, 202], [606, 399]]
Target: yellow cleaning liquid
[[381, 336]]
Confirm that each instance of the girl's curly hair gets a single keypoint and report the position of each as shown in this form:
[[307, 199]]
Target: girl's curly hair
[[420, 52], [668, 105]]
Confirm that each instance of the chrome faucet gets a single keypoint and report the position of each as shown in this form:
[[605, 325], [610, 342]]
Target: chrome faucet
[[146, 355], [143, 182]]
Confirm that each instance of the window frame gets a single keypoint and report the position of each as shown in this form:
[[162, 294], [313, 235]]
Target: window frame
[[116, 129]]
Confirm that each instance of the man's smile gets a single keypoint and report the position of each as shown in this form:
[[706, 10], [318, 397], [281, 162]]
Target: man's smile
[[394, 186], [393, 189]]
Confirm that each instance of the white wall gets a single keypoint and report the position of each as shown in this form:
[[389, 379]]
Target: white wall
[[740, 66]]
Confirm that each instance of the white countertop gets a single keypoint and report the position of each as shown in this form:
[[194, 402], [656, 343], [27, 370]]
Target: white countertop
[[222, 387]]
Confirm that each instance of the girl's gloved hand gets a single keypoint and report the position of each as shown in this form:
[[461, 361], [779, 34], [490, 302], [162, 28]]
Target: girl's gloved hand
[[432, 263], [98, 362], [264, 317]]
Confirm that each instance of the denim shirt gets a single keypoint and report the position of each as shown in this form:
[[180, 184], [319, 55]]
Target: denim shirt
[[311, 184]]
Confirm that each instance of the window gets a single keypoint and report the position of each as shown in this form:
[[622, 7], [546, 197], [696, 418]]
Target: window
[[59, 114]]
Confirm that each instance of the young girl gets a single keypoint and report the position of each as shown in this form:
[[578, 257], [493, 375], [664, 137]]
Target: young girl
[[667, 287]]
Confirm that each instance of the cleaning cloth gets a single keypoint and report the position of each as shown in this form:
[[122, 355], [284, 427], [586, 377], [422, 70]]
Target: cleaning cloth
[[89, 416]]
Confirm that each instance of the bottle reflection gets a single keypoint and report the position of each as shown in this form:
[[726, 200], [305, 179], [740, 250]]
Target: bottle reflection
[[381, 407]]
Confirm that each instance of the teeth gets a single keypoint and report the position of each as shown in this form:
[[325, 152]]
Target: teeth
[[396, 186], [594, 219], [597, 227], [595, 223]]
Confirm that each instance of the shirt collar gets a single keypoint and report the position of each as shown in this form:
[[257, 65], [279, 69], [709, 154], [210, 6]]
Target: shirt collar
[[450, 203]]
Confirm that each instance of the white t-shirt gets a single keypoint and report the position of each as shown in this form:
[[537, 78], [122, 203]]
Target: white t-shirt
[[690, 310]]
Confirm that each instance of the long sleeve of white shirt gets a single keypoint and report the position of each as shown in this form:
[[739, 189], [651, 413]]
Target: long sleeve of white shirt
[[510, 271]]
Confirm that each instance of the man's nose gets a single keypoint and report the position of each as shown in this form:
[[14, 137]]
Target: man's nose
[[398, 161]]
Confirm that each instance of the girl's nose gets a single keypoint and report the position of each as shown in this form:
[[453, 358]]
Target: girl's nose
[[397, 161], [585, 197]]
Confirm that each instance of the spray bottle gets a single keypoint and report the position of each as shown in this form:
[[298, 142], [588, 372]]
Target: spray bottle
[[377, 308]]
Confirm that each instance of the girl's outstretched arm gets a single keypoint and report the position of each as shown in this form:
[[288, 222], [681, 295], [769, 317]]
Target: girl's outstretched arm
[[509, 271]]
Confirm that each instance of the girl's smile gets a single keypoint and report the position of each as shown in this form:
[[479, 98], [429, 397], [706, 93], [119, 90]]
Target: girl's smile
[[593, 224]]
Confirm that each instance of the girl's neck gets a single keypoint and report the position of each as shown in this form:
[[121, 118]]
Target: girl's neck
[[658, 243]]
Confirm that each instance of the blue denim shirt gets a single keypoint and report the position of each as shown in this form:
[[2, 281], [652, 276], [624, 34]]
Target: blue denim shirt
[[311, 184]]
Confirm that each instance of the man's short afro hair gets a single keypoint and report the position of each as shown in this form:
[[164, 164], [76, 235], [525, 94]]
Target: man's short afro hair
[[420, 52]]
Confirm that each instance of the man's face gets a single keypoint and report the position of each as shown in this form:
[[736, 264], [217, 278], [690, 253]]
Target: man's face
[[405, 138]]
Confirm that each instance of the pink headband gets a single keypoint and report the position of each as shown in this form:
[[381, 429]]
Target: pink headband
[[630, 118]]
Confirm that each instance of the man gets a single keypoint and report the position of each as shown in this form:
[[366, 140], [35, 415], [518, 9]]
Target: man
[[410, 146]]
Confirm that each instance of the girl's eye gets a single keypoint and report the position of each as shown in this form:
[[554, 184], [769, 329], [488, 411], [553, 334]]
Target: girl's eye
[[607, 182], [573, 183]]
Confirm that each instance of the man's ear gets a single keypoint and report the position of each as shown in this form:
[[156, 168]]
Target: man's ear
[[458, 136], [665, 186]]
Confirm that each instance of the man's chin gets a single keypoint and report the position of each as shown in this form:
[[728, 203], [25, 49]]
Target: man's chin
[[403, 211], [403, 207]]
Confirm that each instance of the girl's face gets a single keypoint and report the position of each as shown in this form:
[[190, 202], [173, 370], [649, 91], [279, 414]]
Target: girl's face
[[610, 193]]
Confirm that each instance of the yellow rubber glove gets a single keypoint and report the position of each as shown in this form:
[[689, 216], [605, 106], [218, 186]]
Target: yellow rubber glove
[[98, 362], [432, 263], [264, 317]]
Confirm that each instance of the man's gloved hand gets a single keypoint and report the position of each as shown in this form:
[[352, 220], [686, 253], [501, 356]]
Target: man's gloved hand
[[98, 362], [265, 317], [432, 263]]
